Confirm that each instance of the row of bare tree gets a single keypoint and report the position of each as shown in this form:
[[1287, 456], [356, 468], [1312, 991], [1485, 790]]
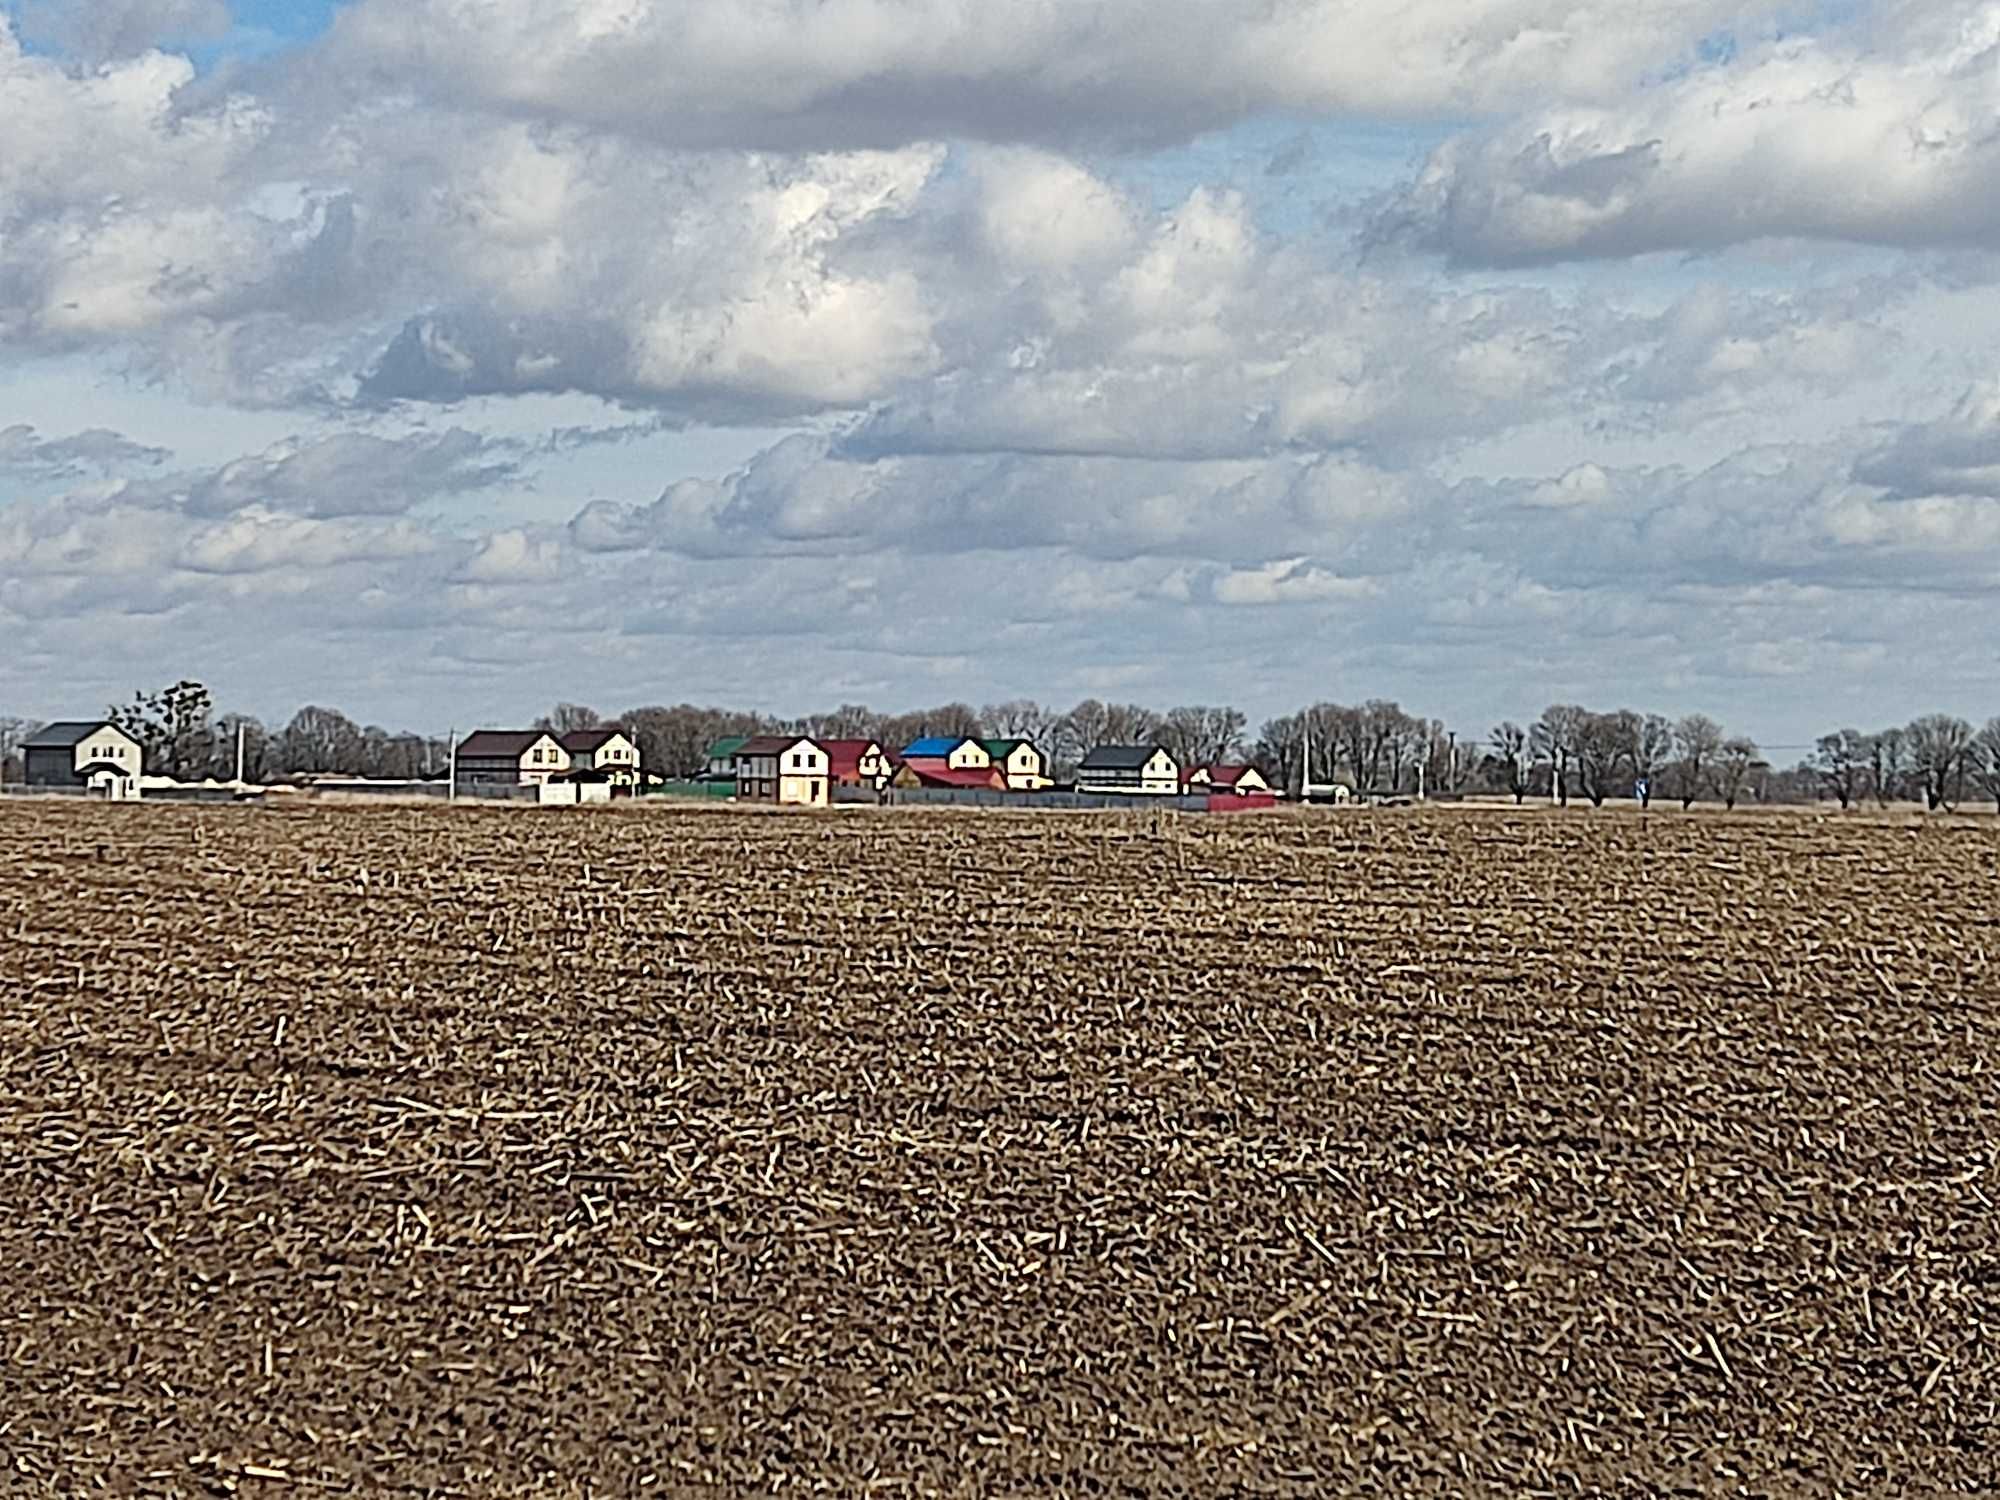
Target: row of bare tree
[[1375, 747], [1938, 760]]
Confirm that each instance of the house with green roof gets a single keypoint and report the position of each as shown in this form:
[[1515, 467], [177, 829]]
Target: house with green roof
[[721, 758], [1026, 768]]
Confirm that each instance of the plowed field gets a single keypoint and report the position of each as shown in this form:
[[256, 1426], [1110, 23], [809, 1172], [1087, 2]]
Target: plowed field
[[504, 1153]]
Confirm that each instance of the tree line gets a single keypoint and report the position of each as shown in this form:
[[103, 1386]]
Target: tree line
[[1374, 748]]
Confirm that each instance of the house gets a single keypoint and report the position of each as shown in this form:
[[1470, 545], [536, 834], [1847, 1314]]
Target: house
[[958, 753], [856, 763], [1026, 768], [785, 769], [94, 754], [1245, 781], [1138, 770], [721, 757], [937, 774], [509, 757], [608, 750]]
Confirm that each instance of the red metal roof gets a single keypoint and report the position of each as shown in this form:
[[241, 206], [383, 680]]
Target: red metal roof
[[935, 771], [844, 756]]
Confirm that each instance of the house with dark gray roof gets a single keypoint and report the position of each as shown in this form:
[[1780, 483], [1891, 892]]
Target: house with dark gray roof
[[89, 753], [509, 757], [1136, 770]]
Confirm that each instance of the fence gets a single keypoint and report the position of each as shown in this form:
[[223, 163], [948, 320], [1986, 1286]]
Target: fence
[[1043, 801], [712, 791], [471, 791]]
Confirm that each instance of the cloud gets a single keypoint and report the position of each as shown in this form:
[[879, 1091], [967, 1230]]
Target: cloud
[[1881, 135], [356, 474], [24, 452], [1291, 580], [790, 75], [1957, 455]]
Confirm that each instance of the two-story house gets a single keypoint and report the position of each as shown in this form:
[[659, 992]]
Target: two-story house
[[608, 751], [1024, 765], [785, 769], [1136, 770], [510, 757], [91, 753]]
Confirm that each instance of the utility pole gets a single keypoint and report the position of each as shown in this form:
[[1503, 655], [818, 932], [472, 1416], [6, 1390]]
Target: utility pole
[[239, 754], [1306, 760], [451, 784], [1451, 760]]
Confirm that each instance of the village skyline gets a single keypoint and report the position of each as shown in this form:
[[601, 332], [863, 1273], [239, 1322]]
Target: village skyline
[[1373, 747]]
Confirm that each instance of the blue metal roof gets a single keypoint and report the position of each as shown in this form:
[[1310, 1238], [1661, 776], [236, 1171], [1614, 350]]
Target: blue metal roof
[[937, 747]]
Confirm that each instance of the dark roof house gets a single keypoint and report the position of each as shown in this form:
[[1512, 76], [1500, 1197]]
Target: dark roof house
[[1120, 757], [499, 744], [64, 735]]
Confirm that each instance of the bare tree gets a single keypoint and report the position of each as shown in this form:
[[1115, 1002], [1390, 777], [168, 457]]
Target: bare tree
[[1840, 764], [1986, 760], [1888, 759], [566, 718], [256, 747], [320, 739], [1554, 740], [1733, 767], [1697, 745], [14, 733], [674, 741], [1604, 746], [1019, 719], [1939, 745], [1652, 752], [1510, 750], [172, 728], [850, 721], [1203, 736]]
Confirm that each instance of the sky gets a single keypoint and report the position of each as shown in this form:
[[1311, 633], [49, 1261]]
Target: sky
[[441, 359]]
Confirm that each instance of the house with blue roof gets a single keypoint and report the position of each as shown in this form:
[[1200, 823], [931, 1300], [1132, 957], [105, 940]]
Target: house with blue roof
[[957, 753]]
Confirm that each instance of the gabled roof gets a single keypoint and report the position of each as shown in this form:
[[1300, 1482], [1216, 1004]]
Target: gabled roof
[[1229, 775], [728, 747], [1120, 757], [935, 770], [935, 747], [589, 741], [68, 734], [1001, 749], [502, 743], [844, 756], [774, 744]]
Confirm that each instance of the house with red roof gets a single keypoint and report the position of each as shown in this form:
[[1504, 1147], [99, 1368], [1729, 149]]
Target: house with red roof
[[932, 772], [856, 763]]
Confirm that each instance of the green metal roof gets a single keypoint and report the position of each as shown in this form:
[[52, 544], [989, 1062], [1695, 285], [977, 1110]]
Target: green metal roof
[[727, 746], [1000, 749]]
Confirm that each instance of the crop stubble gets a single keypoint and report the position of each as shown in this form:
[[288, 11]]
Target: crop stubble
[[490, 1152]]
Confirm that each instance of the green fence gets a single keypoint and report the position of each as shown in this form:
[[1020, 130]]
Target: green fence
[[710, 790]]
